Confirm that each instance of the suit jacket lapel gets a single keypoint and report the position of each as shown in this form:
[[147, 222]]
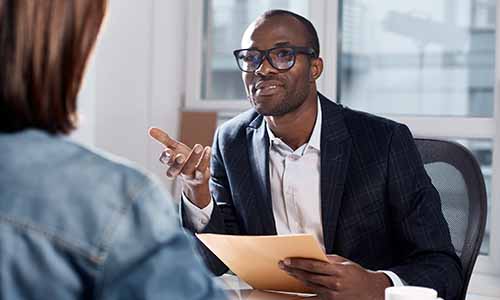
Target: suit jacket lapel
[[258, 152], [335, 155]]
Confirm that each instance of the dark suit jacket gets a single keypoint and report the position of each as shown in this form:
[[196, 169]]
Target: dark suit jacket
[[379, 207]]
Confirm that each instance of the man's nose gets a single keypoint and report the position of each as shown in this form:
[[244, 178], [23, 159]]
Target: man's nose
[[265, 68]]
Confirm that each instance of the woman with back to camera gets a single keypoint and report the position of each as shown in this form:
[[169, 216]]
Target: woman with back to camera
[[75, 224]]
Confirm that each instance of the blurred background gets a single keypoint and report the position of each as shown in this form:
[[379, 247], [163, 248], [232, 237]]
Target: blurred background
[[431, 64]]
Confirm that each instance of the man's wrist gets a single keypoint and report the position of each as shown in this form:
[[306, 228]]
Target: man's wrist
[[395, 279], [381, 282], [198, 195], [385, 281]]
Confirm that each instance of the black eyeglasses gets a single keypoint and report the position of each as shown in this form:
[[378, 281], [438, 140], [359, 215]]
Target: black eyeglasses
[[281, 58]]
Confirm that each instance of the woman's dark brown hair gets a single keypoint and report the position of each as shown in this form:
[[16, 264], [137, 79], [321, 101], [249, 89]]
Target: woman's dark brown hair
[[44, 47]]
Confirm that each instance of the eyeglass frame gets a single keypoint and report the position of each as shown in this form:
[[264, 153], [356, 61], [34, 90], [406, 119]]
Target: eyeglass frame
[[265, 54]]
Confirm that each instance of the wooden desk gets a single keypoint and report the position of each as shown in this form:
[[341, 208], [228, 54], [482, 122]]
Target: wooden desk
[[239, 290]]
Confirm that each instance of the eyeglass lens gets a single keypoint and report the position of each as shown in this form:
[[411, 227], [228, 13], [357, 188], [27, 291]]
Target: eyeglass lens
[[279, 58]]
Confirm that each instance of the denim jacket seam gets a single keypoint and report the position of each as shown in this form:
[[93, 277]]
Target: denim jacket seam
[[63, 242], [105, 243]]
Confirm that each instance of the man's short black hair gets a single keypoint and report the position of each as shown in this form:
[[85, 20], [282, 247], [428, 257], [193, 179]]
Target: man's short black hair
[[313, 39]]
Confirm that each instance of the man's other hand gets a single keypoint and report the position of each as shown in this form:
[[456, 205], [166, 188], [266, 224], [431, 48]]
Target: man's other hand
[[338, 279], [191, 165]]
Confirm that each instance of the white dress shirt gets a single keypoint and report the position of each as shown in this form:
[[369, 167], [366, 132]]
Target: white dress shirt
[[295, 189], [295, 184]]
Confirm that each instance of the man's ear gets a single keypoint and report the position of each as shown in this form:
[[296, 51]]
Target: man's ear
[[316, 68]]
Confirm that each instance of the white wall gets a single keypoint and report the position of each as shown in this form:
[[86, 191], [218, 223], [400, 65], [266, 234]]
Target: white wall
[[123, 80], [136, 79]]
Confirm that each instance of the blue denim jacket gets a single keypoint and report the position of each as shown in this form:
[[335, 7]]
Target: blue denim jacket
[[77, 224]]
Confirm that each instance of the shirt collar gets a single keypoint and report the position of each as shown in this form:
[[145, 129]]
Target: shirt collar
[[314, 140]]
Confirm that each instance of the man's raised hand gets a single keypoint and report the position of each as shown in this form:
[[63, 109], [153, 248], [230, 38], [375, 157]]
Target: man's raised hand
[[192, 165]]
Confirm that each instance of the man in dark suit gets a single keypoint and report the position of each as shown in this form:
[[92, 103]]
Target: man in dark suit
[[298, 162]]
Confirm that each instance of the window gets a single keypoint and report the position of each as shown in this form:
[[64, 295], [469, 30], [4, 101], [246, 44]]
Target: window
[[427, 58]]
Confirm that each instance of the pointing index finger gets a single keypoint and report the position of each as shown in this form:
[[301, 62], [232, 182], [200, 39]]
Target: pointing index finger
[[162, 137]]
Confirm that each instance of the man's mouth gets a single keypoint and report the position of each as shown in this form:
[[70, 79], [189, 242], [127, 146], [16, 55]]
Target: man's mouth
[[267, 88]]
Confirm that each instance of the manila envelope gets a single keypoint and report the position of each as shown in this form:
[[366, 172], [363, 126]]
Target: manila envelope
[[254, 259]]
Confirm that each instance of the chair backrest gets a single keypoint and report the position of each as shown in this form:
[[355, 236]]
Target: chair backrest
[[456, 174]]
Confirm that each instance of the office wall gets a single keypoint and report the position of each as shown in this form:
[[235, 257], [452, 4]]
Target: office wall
[[135, 79]]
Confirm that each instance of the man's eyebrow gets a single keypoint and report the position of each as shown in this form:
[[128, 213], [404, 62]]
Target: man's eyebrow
[[282, 44]]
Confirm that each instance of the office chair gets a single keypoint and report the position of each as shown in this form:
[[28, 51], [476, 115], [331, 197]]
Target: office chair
[[456, 174]]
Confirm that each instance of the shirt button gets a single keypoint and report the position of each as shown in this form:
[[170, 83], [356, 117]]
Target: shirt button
[[204, 222]]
